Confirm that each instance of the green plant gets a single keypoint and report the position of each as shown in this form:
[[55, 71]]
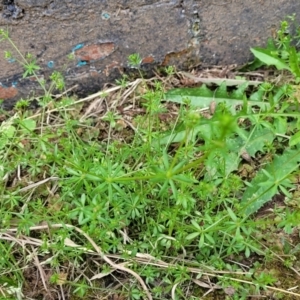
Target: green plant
[[282, 52], [134, 60], [31, 68], [158, 206]]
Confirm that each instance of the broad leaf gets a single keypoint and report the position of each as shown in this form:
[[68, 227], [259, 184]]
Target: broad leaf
[[265, 184], [258, 139], [28, 125], [202, 97], [250, 142]]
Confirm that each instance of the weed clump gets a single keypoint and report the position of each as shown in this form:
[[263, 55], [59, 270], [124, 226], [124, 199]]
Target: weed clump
[[144, 190]]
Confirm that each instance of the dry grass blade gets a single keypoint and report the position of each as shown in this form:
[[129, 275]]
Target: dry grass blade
[[36, 184], [206, 285], [97, 249], [140, 258], [39, 267], [89, 98], [173, 291], [101, 275], [218, 81], [65, 92]]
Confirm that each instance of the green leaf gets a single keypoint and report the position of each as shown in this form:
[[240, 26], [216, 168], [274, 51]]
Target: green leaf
[[240, 91], [201, 241], [222, 163], [295, 139], [251, 142], [258, 95], [257, 63], [93, 177], [202, 97], [196, 225], [28, 125], [280, 125], [262, 188], [258, 139], [7, 131], [73, 172], [294, 62], [269, 59], [231, 214], [176, 137], [191, 236], [210, 238], [247, 252], [184, 178]]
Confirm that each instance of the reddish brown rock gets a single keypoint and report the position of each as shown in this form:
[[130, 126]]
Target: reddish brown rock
[[94, 52], [8, 92]]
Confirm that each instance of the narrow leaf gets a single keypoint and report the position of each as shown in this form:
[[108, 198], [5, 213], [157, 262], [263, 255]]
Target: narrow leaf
[[294, 62], [295, 139], [196, 225], [191, 236], [268, 58], [231, 214]]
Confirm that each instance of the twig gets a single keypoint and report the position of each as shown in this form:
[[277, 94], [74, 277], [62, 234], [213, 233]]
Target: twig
[[36, 184], [65, 92]]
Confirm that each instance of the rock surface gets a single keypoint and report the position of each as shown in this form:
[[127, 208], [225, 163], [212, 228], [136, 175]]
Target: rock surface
[[89, 41]]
